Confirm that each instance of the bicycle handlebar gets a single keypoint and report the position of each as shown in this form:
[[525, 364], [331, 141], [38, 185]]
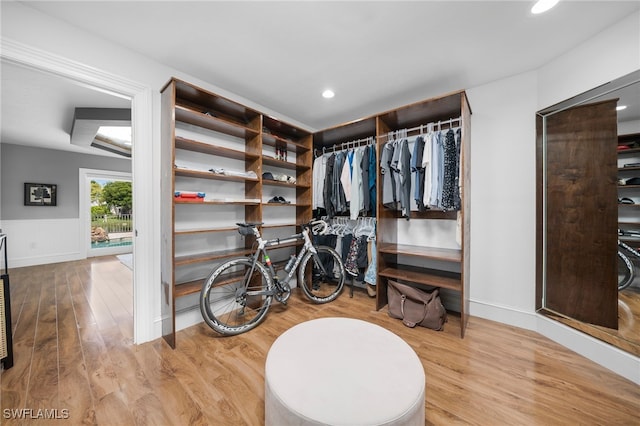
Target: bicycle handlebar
[[318, 227]]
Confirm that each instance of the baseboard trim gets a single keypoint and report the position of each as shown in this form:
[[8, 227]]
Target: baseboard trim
[[45, 260], [609, 357]]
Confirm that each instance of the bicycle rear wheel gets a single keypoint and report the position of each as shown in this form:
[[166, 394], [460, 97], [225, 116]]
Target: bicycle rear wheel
[[234, 298], [318, 286], [626, 271]]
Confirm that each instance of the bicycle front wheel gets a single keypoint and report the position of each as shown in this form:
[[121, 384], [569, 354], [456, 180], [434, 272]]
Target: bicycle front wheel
[[236, 296], [626, 271], [321, 276]]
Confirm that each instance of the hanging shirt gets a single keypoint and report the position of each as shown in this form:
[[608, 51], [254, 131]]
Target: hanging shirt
[[458, 193], [395, 161], [319, 173], [356, 184], [339, 200], [372, 180], [388, 183], [404, 178], [418, 171], [345, 177], [437, 154], [328, 186], [364, 165], [427, 165], [450, 171]]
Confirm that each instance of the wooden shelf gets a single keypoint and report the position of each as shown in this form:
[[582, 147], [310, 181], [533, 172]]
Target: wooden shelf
[[424, 276], [205, 148], [628, 186], [283, 184], [210, 203], [280, 204], [191, 287], [210, 175], [628, 169], [283, 164], [206, 257], [204, 231], [189, 116], [270, 139], [447, 255], [629, 151], [276, 132]]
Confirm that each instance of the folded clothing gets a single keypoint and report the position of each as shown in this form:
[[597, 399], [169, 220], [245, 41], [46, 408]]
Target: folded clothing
[[195, 197], [221, 171]]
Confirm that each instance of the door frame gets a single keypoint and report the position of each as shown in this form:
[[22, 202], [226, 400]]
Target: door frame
[[145, 218]]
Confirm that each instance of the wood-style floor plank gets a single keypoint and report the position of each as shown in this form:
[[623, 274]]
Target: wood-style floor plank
[[73, 350]]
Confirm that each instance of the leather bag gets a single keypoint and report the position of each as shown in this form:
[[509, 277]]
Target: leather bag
[[415, 306]]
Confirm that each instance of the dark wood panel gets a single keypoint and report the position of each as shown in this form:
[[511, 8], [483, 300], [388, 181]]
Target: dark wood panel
[[581, 220], [424, 112], [357, 129]]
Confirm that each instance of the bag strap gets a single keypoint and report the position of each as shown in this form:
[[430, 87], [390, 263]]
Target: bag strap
[[404, 320]]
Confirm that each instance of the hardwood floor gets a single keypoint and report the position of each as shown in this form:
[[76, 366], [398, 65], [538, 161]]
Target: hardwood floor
[[74, 354]]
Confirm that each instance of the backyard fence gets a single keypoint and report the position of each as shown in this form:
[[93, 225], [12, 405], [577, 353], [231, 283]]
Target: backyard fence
[[112, 224]]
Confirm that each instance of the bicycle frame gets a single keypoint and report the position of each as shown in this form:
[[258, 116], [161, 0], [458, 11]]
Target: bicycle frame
[[280, 286]]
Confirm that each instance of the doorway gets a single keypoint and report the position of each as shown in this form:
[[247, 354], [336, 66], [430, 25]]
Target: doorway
[[146, 250], [105, 230]]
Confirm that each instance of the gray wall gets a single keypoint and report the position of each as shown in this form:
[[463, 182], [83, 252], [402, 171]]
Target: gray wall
[[21, 164]]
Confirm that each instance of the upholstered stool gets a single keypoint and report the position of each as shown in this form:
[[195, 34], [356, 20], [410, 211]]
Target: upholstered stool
[[341, 371]]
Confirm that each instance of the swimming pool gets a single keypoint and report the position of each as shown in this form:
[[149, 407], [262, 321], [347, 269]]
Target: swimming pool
[[120, 242]]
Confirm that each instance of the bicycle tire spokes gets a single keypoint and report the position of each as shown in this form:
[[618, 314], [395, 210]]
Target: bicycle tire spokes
[[237, 298]]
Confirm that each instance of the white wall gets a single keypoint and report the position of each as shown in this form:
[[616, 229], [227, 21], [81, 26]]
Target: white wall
[[611, 54], [503, 200]]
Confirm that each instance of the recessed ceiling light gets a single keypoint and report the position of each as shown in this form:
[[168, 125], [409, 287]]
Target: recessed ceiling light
[[542, 6], [328, 94], [621, 107]]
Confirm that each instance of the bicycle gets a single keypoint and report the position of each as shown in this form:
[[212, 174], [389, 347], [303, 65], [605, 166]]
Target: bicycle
[[626, 268], [237, 295]]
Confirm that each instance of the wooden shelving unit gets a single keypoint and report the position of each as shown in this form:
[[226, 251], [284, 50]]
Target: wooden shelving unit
[[201, 126], [396, 261]]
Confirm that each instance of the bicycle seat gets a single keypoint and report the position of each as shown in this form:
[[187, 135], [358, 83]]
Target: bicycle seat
[[250, 224]]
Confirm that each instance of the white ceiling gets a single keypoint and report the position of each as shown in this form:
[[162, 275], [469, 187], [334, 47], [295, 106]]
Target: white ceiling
[[375, 55]]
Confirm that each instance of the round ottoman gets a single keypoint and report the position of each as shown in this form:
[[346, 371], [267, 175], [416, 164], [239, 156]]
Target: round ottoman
[[342, 371]]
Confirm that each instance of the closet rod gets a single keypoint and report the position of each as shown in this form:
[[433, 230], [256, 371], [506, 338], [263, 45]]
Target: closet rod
[[422, 127], [351, 144]]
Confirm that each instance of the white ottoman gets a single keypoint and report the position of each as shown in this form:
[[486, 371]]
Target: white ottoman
[[341, 371]]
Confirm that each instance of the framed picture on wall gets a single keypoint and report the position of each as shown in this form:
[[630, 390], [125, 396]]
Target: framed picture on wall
[[40, 194]]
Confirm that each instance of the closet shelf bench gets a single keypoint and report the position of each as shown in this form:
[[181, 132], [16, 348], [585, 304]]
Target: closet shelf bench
[[436, 253], [429, 277]]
